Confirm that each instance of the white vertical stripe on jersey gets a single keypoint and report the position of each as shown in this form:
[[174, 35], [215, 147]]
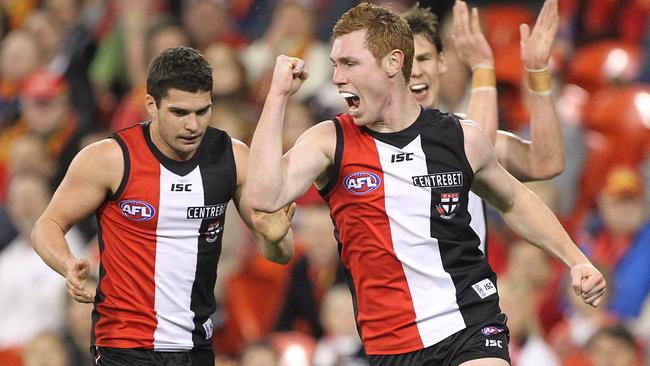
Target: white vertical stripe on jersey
[[475, 208], [176, 256], [409, 213]]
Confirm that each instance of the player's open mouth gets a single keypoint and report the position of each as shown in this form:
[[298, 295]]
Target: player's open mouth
[[419, 88], [352, 100]]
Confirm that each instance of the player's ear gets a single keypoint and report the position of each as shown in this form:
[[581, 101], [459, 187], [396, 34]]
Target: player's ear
[[394, 62], [150, 105]]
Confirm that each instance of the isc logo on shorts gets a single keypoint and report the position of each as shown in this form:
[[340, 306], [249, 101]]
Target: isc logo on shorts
[[137, 210], [361, 182]]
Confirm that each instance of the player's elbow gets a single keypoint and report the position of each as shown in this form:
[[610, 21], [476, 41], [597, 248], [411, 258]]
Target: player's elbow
[[549, 168]]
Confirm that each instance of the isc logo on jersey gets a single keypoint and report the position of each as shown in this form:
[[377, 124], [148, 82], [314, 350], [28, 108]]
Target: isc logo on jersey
[[361, 182], [137, 210]]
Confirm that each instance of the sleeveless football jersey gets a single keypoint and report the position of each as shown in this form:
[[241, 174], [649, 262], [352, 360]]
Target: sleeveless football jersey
[[399, 204], [160, 241]]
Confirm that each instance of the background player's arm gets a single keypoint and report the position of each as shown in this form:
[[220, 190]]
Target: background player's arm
[[272, 231], [95, 172], [275, 180], [474, 50], [543, 156], [526, 214]]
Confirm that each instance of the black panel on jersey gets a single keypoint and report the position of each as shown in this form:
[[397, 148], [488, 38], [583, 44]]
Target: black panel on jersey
[[348, 280], [333, 171], [181, 168], [404, 137], [219, 177], [127, 169], [443, 146], [99, 296]]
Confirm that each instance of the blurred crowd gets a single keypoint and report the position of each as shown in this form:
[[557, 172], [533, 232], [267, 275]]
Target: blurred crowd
[[73, 71]]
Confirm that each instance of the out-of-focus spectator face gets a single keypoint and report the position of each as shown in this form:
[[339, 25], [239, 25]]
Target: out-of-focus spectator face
[[29, 155], [45, 103], [529, 264], [228, 118], [18, 57], [259, 354], [46, 31], [227, 71], [46, 349], [205, 20], [515, 301], [166, 37], [621, 201], [65, 11], [316, 231], [28, 197], [337, 312], [292, 19], [606, 349], [297, 119]]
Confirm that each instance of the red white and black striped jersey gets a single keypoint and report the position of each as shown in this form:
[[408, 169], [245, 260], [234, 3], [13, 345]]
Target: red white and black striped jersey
[[399, 205], [160, 241]]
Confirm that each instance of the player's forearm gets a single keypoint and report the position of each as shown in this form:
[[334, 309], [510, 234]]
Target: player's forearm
[[546, 153], [49, 242], [279, 252], [529, 218], [266, 174], [482, 106]]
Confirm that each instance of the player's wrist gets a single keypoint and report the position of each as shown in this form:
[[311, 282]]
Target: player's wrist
[[483, 78], [539, 80]]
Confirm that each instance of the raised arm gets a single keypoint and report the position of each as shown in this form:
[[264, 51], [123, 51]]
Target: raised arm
[[274, 180], [95, 172], [272, 231], [474, 50], [543, 156], [526, 214]]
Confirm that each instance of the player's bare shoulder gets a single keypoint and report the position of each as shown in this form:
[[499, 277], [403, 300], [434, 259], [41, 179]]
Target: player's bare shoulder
[[322, 136], [478, 148], [101, 163]]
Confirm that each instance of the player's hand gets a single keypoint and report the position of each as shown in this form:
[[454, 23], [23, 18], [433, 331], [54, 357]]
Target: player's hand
[[274, 226], [536, 45], [288, 75], [588, 283], [471, 45], [76, 274]]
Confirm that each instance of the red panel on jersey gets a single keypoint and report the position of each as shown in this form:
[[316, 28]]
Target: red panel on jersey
[[385, 309], [127, 317]]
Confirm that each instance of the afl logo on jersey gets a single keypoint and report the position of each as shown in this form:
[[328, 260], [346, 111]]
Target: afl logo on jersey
[[137, 210], [361, 182]]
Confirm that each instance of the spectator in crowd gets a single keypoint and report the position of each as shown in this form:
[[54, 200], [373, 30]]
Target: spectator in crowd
[[621, 242], [340, 344], [613, 346], [260, 353], [312, 273], [19, 56], [46, 349], [31, 295]]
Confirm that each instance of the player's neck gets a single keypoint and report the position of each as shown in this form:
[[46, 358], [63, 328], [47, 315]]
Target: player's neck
[[400, 112]]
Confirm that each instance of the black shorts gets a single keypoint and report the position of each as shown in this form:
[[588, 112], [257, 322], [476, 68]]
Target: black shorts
[[483, 340], [105, 356]]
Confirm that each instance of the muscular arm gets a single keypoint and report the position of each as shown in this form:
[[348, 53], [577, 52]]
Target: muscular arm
[[543, 156], [474, 50], [272, 231], [526, 214], [275, 180], [94, 172]]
